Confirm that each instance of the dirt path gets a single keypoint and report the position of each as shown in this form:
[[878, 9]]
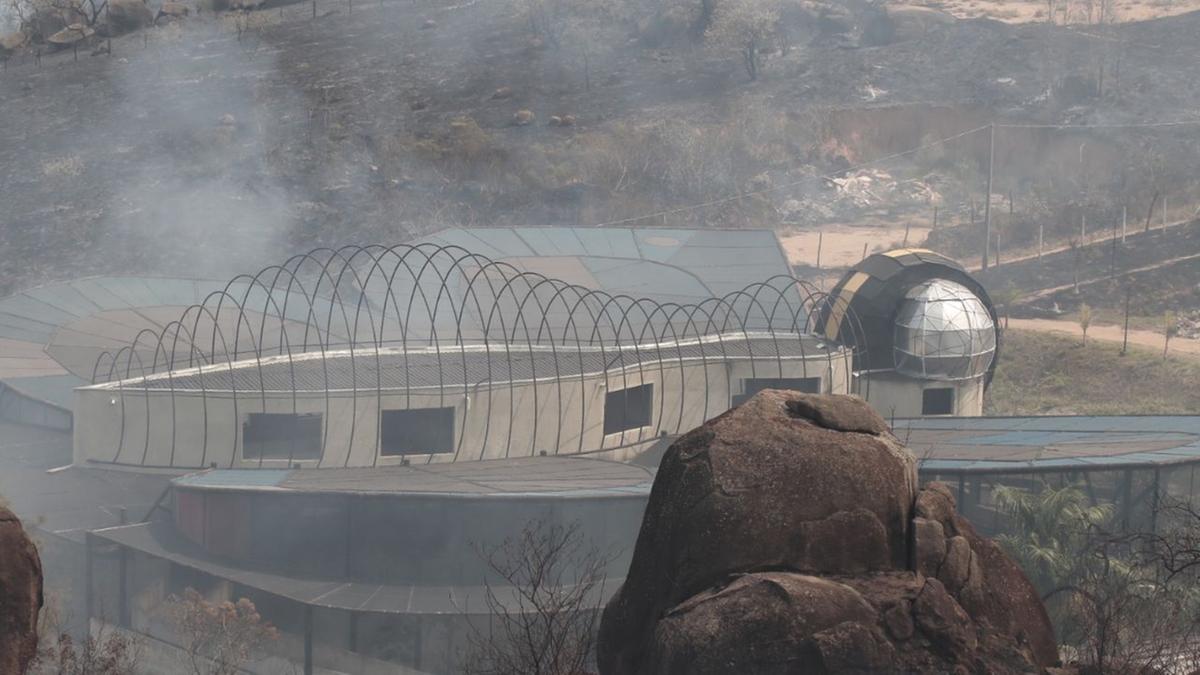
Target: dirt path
[[1105, 333], [1026, 11], [842, 245]]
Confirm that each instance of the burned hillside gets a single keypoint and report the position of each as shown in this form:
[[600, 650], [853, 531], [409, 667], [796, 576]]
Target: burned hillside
[[218, 140]]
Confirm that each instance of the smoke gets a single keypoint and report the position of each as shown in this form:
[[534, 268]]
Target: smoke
[[190, 146]]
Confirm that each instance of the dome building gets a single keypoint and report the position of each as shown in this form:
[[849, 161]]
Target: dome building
[[943, 332], [928, 329]]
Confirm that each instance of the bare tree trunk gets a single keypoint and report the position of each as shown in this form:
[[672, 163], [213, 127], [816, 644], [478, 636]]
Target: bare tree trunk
[[1150, 211], [750, 54]]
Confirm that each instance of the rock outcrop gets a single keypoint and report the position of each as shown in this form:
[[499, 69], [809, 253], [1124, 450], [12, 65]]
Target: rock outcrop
[[20, 595], [789, 536]]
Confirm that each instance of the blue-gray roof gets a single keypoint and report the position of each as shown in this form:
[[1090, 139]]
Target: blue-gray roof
[[1032, 444], [540, 477], [678, 265]]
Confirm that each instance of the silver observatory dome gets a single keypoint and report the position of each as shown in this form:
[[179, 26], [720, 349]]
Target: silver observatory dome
[[943, 331]]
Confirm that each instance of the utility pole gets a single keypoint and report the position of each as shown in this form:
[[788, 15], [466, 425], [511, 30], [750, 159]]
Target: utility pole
[[987, 198]]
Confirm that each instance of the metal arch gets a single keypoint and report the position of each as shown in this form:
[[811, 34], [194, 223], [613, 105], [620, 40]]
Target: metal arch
[[658, 349], [508, 341], [677, 308], [171, 383], [352, 299], [284, 342], [858, 344], [216, 319], [487, 331], [637, 354]]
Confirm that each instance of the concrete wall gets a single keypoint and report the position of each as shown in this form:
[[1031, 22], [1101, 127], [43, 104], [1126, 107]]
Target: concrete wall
[[191, 429], [895, 395], [159, 653]]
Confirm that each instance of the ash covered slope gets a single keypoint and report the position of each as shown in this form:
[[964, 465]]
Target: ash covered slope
[[214, 145], [789, 535]]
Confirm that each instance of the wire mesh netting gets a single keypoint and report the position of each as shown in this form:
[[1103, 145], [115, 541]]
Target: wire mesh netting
[[438, 326]]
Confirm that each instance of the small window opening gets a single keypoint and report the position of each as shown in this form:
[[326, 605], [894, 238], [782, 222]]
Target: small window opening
[[937, 401], [282, 436], [628, 408], [418, 431], [753, 385]]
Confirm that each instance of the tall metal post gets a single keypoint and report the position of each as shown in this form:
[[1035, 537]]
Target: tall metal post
[[88, 582], [1112, 263], [123, 613], [987, 199], [308, 640]]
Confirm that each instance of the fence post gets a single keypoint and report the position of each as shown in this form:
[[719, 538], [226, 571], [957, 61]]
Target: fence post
[[1041, 233], [1124, 220], [1125, 335]]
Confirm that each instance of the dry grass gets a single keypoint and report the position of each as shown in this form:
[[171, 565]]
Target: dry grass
[[1041, 374]]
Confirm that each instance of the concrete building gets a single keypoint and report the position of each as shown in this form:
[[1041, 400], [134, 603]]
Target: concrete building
[[925, 331], [342, 434]]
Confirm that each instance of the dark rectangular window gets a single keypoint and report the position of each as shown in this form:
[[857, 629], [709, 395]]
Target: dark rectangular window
[[418, 431], [628, 408], [937, 401], [282, 436], [753, 385]]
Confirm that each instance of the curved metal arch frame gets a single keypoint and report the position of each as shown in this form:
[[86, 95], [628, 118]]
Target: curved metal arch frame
[[352, 300]]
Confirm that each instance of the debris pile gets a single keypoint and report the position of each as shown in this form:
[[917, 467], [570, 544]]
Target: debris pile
[[867, 188]]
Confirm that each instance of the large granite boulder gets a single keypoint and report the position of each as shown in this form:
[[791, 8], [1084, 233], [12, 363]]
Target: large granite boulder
[[789, 536], [20, 595]]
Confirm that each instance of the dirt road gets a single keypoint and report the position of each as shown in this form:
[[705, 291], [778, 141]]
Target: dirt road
[[1142, 338], [842, 245]]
